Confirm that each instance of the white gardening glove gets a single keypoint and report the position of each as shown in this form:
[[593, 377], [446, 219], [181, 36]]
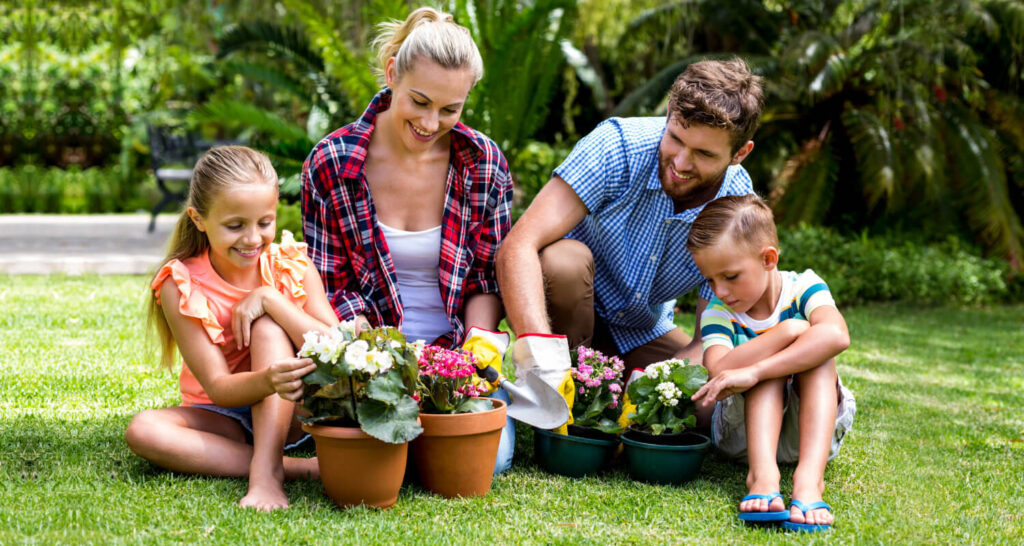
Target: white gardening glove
[[546, 356]]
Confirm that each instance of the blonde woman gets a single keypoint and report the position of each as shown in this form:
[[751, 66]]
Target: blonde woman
[[404, 208]]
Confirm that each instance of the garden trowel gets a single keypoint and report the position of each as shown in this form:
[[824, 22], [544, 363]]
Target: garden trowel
[[534, 402]]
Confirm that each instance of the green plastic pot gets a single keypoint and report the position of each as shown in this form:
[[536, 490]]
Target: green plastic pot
[[573, 456], [663, 463]]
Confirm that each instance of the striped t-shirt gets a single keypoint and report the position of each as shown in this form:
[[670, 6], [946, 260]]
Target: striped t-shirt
[[802, 293]]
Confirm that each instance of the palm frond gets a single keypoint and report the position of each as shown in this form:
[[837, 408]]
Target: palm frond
[[270, 125], [585, 72], [804, 190], [262, 35], [981, 174], [270, 75], [872, 146]]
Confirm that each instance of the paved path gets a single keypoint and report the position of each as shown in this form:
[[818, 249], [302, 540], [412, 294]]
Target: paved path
[[77, 244]]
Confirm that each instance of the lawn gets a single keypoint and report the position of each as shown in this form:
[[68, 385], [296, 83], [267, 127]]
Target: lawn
[[936, 453]]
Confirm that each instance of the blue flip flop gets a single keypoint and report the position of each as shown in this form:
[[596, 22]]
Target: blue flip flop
[[764, 517], [807, 527]]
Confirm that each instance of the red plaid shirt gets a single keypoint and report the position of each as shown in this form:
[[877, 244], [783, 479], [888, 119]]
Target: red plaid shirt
[[345, 241]]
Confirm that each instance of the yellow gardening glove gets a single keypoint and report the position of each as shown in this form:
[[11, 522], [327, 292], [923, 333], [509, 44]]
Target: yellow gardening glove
[[489, 349], [628, 406], [568, 391]]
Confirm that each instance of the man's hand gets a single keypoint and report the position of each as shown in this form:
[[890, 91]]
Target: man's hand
[[286, 375], [725, 384]]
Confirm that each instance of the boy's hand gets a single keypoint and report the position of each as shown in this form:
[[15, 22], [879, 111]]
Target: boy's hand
[[285, 376], [726, 384]]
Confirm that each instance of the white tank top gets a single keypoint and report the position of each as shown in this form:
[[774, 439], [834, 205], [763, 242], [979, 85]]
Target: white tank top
[[417, 259]]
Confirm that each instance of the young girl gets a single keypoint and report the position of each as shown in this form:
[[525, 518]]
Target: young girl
[[236, 305], [772, 336]]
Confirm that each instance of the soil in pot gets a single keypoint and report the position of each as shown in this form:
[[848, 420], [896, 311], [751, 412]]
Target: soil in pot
[[685, 438]]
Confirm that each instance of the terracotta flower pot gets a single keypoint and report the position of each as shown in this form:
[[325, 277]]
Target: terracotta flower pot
[[455, 455], [357, 468]]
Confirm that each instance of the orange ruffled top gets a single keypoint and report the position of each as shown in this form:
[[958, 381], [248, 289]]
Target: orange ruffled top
[[208, 298]]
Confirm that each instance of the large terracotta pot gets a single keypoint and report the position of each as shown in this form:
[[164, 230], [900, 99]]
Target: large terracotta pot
[[357, 468], [455, 454]]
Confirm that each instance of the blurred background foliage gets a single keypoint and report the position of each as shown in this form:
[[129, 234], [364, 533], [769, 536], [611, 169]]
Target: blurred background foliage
[[896, 119]]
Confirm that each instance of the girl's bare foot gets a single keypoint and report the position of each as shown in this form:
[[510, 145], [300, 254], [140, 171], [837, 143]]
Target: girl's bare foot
[[264, 496]]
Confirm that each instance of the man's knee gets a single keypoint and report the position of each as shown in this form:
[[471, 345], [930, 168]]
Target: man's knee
[[567, 261]]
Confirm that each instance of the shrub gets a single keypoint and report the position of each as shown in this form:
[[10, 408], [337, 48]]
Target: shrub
[[31, 188], [531, 169]]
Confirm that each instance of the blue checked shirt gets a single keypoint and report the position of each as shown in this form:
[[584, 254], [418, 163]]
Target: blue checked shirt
[[639, 245]]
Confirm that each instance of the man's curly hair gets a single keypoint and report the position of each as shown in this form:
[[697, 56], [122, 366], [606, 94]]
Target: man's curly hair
[[722, 94]]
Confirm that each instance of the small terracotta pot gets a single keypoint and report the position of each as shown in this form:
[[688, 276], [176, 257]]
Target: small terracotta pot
[[455, 455], [357, 468]]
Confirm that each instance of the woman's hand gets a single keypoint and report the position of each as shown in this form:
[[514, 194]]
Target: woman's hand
[[361, 323], [286, 375], [246, 311], [726, 384]]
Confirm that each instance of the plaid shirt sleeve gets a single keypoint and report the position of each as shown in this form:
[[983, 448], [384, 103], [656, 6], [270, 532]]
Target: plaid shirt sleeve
[[323, 233], [495, 223]]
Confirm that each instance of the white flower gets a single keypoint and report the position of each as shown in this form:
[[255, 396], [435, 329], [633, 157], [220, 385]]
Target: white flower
[[668, 393], [378, 361], [355, 354], [657, 370]]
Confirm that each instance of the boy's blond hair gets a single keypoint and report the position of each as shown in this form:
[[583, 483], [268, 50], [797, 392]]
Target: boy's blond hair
[[744, 219]]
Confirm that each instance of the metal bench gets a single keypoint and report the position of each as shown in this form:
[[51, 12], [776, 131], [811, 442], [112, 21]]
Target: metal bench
[[173, 152]]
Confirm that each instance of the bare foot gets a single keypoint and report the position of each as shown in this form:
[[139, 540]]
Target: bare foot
[[757, 485], [300, 468], [809, 495], [266, 496]]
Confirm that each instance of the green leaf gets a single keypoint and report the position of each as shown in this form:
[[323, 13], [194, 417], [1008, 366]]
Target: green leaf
[[320, 376], [689, 379], [608, 426], [387, 388], [391, 423], [473, 405]]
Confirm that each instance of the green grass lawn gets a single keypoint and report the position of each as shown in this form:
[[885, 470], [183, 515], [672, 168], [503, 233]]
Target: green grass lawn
[[936, 453]]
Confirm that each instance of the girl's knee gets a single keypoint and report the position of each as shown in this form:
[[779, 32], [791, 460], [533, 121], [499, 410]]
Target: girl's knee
[[265, 327], [144, 431]]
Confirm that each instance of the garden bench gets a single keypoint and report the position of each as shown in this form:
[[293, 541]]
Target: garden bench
[[173, 152]]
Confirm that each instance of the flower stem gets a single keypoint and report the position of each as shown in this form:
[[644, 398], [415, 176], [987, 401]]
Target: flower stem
[[355, 409]]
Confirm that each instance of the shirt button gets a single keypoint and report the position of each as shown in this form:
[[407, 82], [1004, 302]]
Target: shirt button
[[639, 295], [654, 258], [620, 315]]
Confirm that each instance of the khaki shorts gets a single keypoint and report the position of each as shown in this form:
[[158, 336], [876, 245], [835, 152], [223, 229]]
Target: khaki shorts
[[729, 431]]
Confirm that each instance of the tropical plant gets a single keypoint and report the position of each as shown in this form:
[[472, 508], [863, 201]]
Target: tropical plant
[[365, 380], [662, 396], [903, 114]]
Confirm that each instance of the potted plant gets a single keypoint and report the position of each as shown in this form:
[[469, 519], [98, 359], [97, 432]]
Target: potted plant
[[658, 445], [590, 441], [358, 406], [455, 455]]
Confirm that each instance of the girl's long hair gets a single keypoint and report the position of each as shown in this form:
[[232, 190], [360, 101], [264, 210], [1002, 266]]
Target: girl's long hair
[[217, 169]]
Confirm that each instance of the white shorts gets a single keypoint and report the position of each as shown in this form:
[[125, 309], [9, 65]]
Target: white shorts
[[729, 430]]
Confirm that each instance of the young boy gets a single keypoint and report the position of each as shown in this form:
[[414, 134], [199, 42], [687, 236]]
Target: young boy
[[770, 337]]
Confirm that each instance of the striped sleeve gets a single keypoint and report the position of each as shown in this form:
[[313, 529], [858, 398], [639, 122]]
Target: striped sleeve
[[812, 293], [716, 325]]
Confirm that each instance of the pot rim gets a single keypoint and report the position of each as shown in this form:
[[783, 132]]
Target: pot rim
[[465, 424], [578, 439], [705, 444]]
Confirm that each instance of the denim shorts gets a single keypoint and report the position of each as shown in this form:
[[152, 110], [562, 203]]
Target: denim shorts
[[243, 415], [729, 428]]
